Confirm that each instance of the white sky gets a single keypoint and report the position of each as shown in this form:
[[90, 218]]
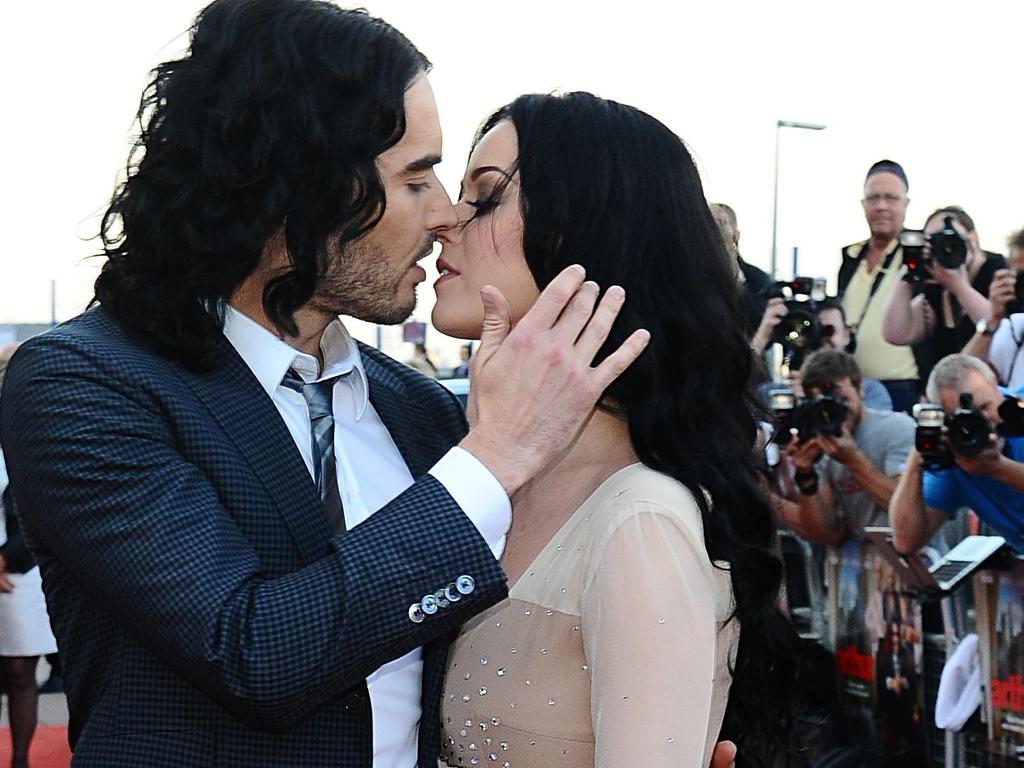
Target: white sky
[[933, 85]]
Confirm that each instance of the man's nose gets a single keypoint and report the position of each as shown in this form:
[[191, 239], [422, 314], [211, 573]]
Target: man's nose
[[444, 219]]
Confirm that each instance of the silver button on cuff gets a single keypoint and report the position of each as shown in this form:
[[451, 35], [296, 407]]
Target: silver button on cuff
[[452, 593], [428, 605], [442, 601], [465, 584], [416, 615]]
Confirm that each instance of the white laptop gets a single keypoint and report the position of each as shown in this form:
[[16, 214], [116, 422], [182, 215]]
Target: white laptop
[[943, 576]]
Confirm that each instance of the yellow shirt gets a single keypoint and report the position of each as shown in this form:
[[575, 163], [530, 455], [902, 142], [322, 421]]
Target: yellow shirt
[[877, 358]]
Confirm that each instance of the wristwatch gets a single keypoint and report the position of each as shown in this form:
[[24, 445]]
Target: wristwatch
[[982, 327]]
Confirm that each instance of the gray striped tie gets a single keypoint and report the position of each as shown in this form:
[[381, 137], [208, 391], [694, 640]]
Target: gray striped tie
[[319, 398]]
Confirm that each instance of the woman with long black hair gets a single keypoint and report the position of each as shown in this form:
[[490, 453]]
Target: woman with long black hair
[[642, 613]]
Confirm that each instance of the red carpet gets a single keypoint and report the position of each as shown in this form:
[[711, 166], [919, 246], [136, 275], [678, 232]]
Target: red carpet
[[49, 747]]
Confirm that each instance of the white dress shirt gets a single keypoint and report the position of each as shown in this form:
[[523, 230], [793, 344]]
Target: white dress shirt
[[1005, 353], [371, 473]]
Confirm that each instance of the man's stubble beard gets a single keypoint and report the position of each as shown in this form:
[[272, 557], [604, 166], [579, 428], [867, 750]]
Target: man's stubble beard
[[359, 283]]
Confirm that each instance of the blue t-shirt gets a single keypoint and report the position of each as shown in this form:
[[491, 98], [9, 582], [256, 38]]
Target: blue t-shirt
[[999, 505]]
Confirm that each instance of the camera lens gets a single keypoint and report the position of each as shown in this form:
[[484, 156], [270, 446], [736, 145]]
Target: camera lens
[[827, 415], [968, 433], [799, 329]]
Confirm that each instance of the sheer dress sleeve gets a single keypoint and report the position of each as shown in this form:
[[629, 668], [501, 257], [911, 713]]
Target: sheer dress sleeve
[[651, 607]]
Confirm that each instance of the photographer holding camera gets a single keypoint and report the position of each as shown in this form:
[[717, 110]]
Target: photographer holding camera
[[944, 292], [846, 457], [869, 273], [1000, 339], [976, 460]]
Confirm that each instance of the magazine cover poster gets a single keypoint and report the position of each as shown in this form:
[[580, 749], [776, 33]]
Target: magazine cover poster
[[879, 655], [1006, 687], [855, 664]]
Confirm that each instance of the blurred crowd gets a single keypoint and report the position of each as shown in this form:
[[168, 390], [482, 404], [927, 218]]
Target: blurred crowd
[[894, 402]]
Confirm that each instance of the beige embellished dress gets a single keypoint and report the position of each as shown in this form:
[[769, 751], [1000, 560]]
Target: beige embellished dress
[[612, 649]]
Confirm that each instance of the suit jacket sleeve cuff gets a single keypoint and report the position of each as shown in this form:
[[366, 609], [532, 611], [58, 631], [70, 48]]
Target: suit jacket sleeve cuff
[[478, 493]]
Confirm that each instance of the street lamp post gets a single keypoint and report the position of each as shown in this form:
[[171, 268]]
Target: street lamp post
[[779, 125]]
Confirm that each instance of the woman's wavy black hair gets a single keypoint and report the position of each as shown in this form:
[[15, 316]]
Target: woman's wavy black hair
[[273, 118], [609, 187]]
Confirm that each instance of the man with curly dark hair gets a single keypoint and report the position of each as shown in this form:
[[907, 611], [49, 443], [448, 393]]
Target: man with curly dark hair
[[255, 535]]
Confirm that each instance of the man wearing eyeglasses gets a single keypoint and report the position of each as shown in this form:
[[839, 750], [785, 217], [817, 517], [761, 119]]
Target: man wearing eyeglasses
[[869, 273]]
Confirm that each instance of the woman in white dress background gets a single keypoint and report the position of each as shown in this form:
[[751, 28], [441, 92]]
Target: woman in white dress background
[[25, 633]]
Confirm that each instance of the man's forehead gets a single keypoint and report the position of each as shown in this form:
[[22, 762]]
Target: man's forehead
[[884, 181], [422, 138]]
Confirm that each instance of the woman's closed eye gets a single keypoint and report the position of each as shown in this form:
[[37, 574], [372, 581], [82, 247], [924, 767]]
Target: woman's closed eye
[[484, 204]]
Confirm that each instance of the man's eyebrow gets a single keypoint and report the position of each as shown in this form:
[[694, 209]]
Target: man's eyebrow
[[425, 163], [485, 168]]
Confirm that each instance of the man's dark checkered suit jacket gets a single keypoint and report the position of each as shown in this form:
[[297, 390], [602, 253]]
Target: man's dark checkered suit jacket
[[207, 615]]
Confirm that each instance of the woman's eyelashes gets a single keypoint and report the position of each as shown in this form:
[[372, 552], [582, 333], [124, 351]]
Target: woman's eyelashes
[[484, 203]]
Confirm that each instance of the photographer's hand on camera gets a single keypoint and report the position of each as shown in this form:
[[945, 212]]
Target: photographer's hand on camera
[[803, 456], [773, 314], [1001, 293], [843, 448], [988, 463], [956, 281]]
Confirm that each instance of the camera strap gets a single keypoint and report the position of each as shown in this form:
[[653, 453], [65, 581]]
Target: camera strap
[[879, 277]]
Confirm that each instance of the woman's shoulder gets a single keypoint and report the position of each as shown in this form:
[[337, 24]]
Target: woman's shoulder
[[637, 490]]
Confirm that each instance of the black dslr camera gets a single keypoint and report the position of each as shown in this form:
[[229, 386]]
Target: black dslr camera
[[1017, 305], [967, 430], [799, 332], [809, 416], [947, 245]]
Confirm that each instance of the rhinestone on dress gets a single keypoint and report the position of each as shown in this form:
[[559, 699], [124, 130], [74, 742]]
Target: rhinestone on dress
[[544, 651], [558, 548], [661, 621], [465, 676], [462, 732], [495, 721], [483, 661], [493, 757], [501, 672], [483, 691], [474, 760], [550, 702], [549, 612], [504, 745], [472, 745], [466, 698], [469, 723]]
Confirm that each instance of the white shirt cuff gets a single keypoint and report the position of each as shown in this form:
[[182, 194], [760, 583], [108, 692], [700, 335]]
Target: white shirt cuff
[[479, 494]]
